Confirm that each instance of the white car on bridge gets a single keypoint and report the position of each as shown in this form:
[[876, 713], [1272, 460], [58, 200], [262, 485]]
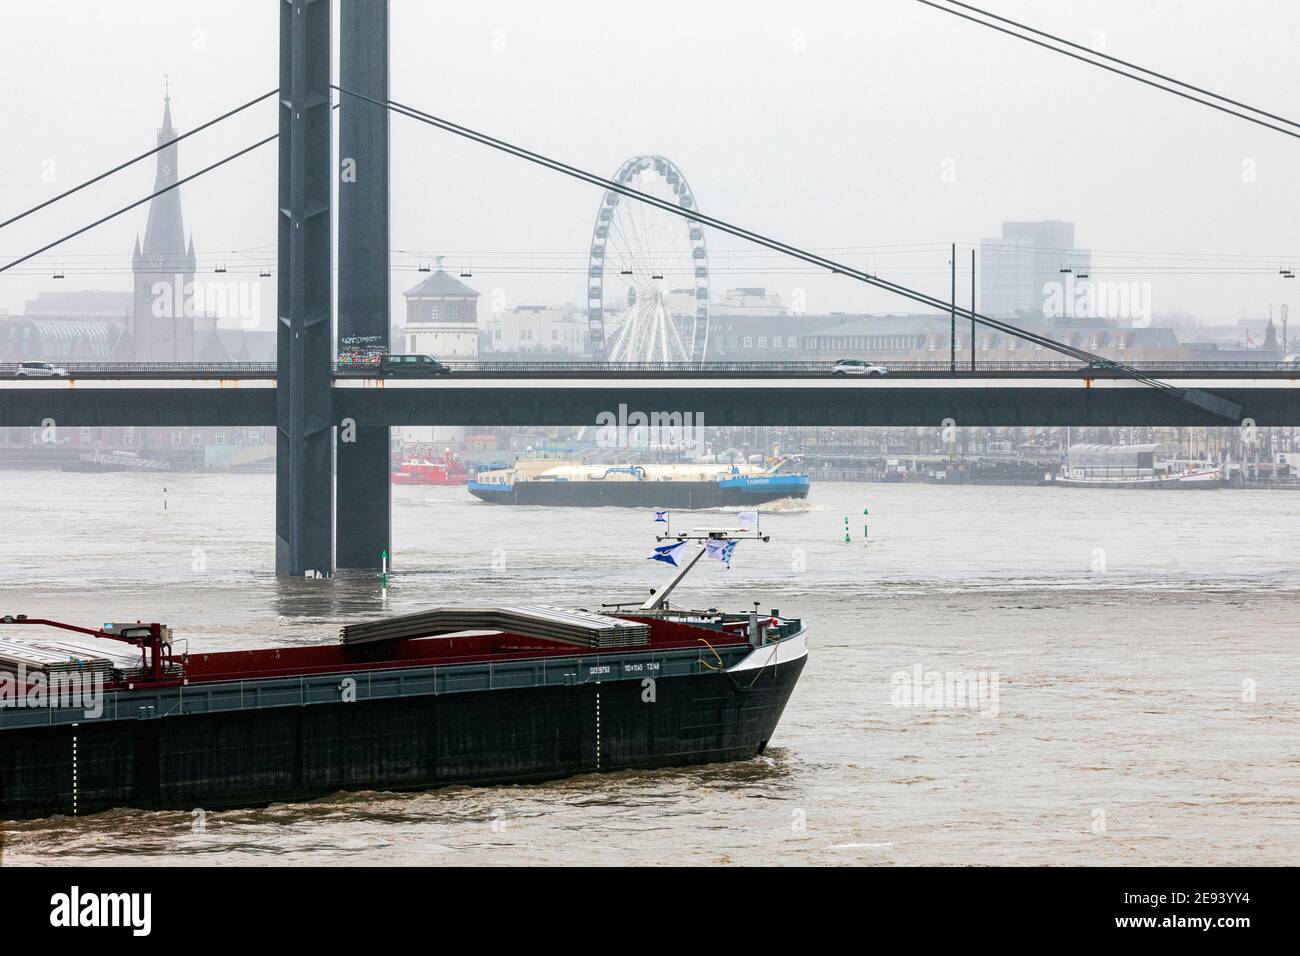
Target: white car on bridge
[[858, 367], [39, 370]]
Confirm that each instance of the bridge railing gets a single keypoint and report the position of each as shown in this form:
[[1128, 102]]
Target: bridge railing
[[577, 369], [155, 369], [811, 366], [807, 367]]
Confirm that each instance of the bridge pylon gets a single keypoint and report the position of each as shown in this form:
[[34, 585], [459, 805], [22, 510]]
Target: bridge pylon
[[304, 465], [363, 487]]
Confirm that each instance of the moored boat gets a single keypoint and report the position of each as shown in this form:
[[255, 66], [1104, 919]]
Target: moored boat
[[1151, 465], [423, 471]]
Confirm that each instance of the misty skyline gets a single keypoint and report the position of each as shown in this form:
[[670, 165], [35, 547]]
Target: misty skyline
[[831, 127]]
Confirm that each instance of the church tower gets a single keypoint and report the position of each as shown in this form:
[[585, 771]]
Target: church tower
[[163, 268]]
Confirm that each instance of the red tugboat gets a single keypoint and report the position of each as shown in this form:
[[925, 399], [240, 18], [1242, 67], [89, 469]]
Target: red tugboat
[[449, 471], [444, 696]]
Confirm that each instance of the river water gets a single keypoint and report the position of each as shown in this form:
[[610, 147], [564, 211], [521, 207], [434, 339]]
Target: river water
[[1142, 646]]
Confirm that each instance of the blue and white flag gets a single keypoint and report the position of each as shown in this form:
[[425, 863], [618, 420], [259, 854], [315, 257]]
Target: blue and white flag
[[748, 520], [720, 550], [661, 516], [667, 553]]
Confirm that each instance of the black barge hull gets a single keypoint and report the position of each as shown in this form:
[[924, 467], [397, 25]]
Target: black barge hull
[[290, 746]]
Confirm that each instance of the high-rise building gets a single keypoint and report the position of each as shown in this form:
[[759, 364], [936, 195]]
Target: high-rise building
[[1016, 270], [160, 330]]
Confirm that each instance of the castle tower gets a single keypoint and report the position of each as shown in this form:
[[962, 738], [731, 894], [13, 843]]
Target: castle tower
[[160, 330]]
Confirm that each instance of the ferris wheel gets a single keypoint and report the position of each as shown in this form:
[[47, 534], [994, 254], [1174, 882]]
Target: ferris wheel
[[648, 282]]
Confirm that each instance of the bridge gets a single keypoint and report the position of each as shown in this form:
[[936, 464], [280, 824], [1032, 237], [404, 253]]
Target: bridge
[[333, 505], [720, 394]]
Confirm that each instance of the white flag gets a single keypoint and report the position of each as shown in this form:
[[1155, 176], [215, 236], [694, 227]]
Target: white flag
[[748, 520], [720, 550]]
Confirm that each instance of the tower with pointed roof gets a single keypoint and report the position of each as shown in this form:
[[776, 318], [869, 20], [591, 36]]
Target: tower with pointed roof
[[163, 267], [1270, 343]]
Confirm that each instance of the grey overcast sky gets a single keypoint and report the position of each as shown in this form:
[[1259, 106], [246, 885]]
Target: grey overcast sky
[[829, 124]]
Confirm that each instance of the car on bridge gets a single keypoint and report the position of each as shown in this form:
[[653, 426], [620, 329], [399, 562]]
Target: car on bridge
[[858, 367], [412, 365], [39, 370]]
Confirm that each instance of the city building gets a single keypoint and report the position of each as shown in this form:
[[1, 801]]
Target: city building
[[764, 337], [441, 318], [878, 337], [1017, 269], [747, 301], [62, 327], [926, 338], [533, 331]]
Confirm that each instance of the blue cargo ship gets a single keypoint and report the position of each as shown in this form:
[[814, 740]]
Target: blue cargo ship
[[547, 482]]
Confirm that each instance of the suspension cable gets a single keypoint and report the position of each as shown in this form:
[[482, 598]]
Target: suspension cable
[[121, 166], [139, 202], [1088, 59]]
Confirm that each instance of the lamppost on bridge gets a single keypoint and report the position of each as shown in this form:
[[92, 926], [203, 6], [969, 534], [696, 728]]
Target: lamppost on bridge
[[952, 307]]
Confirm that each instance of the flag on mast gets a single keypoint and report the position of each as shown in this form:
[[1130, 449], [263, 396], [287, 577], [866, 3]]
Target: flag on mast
[[667, 553], [661, 516], [748, 520], [720, 550]]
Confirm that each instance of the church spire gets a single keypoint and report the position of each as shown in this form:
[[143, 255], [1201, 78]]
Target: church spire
[[161, 328], [167, 107], [164, 248]]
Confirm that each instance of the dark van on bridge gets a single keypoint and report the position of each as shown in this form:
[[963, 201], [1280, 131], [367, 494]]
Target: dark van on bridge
[[413, 365]]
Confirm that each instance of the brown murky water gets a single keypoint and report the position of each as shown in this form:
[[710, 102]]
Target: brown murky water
[[1148, 698]]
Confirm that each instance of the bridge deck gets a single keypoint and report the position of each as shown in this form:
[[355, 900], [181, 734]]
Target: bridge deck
[[976, 399]]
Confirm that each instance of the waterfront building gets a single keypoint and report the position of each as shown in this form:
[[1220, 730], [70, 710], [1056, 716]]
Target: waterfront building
[[441, 318], [532, 332]]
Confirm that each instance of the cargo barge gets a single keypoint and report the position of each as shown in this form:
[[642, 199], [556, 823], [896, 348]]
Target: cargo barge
[[637, 486], [445, 696]]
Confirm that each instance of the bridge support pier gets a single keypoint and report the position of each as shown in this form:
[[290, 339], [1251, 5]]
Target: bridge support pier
[[304, 465], [363, 488]]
